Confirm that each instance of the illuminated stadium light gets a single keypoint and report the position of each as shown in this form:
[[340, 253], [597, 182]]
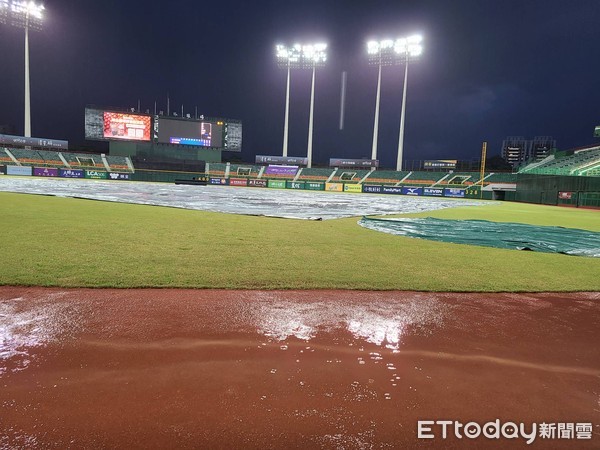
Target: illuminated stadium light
[[300, 56], [388, 52], [27, 15]]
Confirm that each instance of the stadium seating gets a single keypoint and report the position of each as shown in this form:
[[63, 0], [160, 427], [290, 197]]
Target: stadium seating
[[117, 163], [349, 175], [4, 158], [579, 162], [50, 158], [386, 177], [501, 178], [315, 174], [423, 178], [84, 161]]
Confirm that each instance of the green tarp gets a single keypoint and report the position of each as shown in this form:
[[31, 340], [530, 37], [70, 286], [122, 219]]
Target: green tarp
[[569, 241]]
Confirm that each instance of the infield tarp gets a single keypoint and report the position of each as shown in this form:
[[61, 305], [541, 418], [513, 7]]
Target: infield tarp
[[569, 241]]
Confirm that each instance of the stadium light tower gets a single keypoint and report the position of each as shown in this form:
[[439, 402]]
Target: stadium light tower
[[301, 56], [27, 15], [390, 53]]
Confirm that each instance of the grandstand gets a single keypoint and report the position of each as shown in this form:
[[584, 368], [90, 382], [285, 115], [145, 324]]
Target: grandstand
[[585, 162], [315, 174], [64, 160]]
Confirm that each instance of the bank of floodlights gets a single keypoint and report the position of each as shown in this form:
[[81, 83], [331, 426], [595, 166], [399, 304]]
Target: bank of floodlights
[[390, 52], [300, 56], [22, 14]]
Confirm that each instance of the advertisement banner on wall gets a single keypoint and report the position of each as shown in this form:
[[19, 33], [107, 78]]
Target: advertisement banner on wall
[[119, 176], [281, 170], [353, 188], [45, 172], [238, 182], [10, 140], [2, 170], [218, 181], [454, 192], [24, 171], [277, 184], [440, 164], [314, 186], [343, 162], [257, 183], [391, 190], [334, 187], [71, 173], [407, 190], [433, 192], [565, 195], [294, 184], [96, 174], [293, 160], [372, 189]]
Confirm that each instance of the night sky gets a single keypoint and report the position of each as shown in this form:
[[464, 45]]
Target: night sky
[[489, 70]]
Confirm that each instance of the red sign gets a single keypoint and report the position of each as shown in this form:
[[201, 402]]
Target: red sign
[[238, 182], [565, 195]]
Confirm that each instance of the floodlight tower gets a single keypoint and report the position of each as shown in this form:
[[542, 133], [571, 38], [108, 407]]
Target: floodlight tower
[[301, 56], [27, 15], [391, 53], [379, 53], [406, 48]]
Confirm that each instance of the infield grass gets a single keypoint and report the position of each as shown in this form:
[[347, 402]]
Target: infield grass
[[50, 241]]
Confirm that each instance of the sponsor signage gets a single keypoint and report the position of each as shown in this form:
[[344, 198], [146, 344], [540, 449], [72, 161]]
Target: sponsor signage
[[407, 190], [433, 192], [71, 173], [565, 195], [355, 188], [119, 176], [263, 159], [372, 189], [238, 182], [9, 140], [18, 170], [218, 181], [294, 185], [314, 186], [257, 183], [334, 187], [2, 170], [96, 175], [454, 192], [45, 172], [341, 162], [281, 170], [440, 164], [277, 184], [391, 189]]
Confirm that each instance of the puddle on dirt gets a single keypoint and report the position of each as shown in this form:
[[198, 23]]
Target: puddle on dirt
[[238, 369]]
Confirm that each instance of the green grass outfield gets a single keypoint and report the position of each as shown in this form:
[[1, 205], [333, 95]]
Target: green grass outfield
[[51, 241]]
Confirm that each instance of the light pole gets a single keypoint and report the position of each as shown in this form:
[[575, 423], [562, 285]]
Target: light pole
[[25, 15], [300, 57], [379, 54], [406, 48], [391, 53]]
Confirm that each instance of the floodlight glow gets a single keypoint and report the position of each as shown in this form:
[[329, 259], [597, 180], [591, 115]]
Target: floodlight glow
[[372, 47], [415, 39], [301, 56]]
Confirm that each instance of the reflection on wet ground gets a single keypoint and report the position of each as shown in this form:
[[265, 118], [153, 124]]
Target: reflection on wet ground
[[251, 369], [288, 203]]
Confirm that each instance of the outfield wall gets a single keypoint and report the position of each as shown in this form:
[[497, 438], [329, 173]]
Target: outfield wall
[[573, 191]]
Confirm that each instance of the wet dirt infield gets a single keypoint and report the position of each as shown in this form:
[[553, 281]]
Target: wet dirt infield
[[292, 369]]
